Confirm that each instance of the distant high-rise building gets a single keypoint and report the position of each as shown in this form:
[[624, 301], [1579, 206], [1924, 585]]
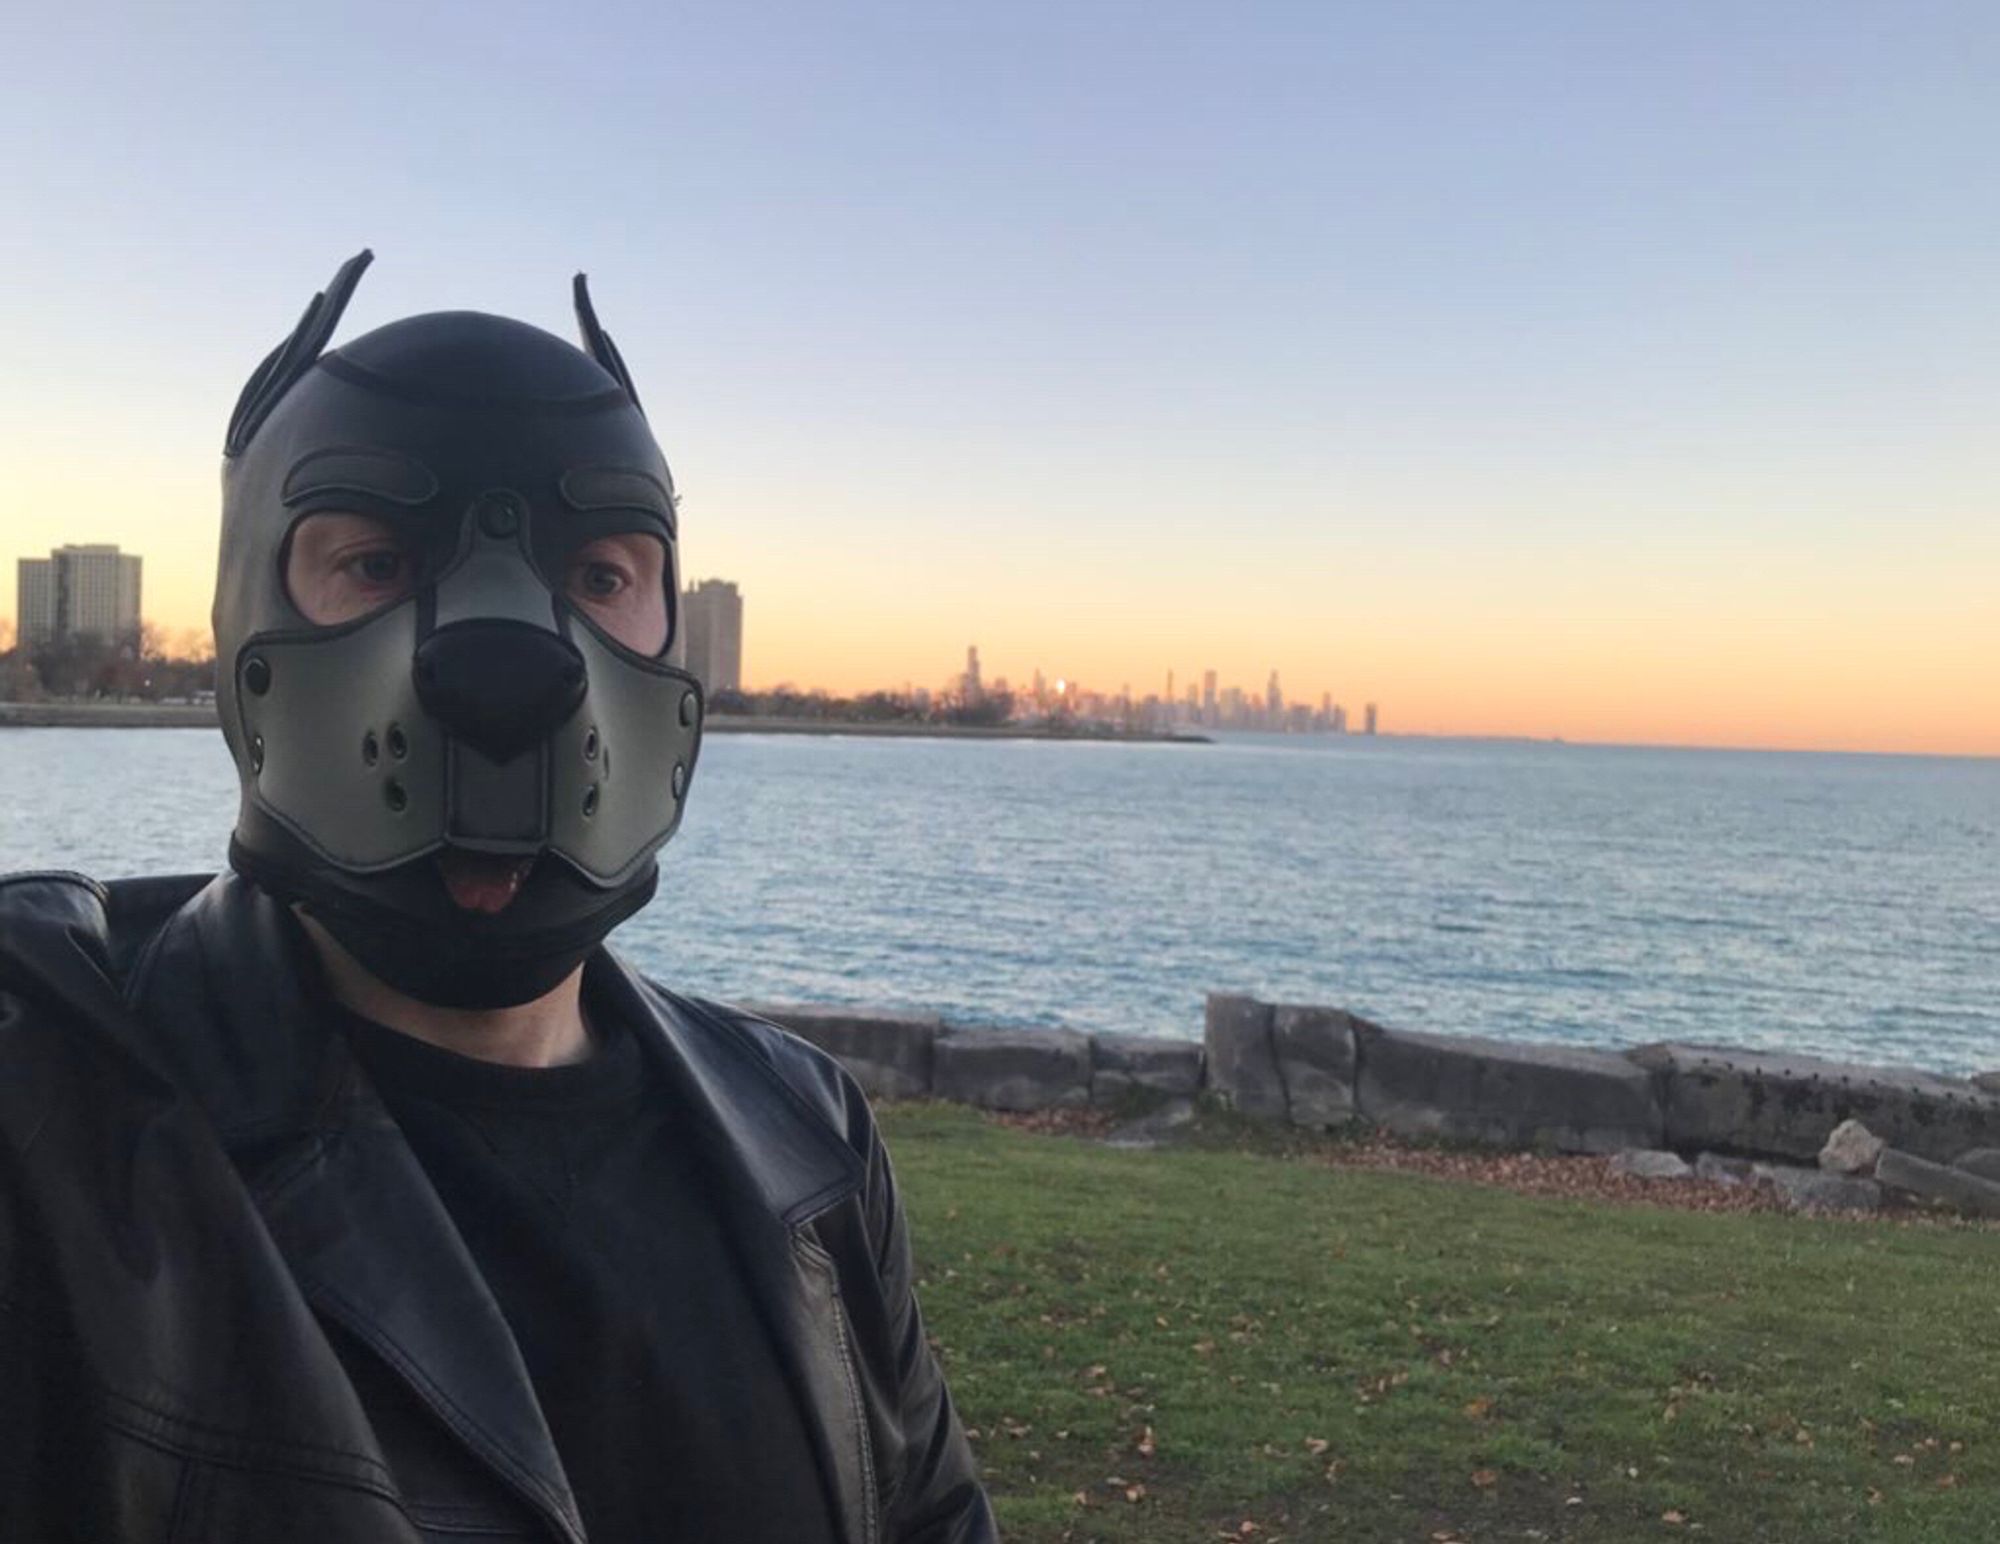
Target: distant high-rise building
[[1339, 718], [1368, 719], [712, 624], [1274, 699], [969, 685], [1208, 696], [34, 601], [89, 591]]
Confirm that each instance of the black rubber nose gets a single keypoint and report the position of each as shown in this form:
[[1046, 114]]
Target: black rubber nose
[[499, 686]]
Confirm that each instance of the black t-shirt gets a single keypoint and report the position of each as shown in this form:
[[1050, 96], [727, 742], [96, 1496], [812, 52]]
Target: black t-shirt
[[592, 1226]]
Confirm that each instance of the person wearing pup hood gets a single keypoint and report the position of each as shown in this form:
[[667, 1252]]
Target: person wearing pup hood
[[361, 1193]]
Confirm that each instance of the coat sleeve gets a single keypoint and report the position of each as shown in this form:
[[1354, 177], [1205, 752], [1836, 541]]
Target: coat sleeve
[[926, 1483], [929, 1481], [30, 1443]]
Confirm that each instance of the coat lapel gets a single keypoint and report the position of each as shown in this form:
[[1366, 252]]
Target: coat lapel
[[356, 1219], [374, 1250]]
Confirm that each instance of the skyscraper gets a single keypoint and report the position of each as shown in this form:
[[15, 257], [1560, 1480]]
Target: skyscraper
[[970, 687], [89, 591], [35, 601], [1208, 696], [1368, 719], [712, 624]]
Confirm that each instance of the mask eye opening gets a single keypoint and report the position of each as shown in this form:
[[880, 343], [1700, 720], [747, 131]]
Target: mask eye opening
[[555, 554], [351, 589]]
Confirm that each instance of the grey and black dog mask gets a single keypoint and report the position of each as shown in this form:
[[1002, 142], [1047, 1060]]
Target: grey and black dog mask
[[481, 711]]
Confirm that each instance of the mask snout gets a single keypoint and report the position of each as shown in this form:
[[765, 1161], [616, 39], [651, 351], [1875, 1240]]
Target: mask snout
[[501, 687]]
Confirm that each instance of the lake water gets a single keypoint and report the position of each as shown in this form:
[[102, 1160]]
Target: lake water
[[1841, 905]]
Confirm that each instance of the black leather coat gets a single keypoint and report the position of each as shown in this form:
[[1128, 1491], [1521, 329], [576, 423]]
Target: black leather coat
[[232, 1307]]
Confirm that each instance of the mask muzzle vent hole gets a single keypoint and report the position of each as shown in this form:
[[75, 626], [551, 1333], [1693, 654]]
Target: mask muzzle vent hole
[[680, 779], [394, 796], [590, 801], [257, 676], [590, 745], [399, 747], [256, 753], [371, 751], [687, 711]]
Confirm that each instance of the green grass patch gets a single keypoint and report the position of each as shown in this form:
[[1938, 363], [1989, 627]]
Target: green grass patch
[[1172, 1345]]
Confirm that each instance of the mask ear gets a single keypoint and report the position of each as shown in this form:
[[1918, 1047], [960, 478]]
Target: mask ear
[[283, 366], [597, 342]]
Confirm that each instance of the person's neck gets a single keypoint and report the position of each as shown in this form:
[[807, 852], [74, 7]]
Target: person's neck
[[547, 1032]]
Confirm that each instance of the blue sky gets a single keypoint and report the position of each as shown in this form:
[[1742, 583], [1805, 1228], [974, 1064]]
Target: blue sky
[[1368, 342]]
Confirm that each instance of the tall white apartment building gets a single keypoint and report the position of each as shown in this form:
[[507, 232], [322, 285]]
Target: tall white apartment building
[[87, 591], [712, 628], [34, 601]]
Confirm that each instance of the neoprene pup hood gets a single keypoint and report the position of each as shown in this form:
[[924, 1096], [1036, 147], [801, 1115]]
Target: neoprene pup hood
[[482, 712]]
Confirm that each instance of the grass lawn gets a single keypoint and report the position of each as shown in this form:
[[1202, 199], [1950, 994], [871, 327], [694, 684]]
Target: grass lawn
[[1186, 1344]]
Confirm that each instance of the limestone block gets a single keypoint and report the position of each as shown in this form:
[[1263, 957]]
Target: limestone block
[[1012, 1069], [888, 1053], [1815, 1190], [1242, 1062], [1851, 1148], [1763, 1102], [1982, 1161], [1122, 1065], [1503, 1093], [1651, 1163], [1939, 1182], [1314, 1048]]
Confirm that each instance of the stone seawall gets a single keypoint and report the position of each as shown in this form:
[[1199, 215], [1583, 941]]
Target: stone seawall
[[1324, 1068]]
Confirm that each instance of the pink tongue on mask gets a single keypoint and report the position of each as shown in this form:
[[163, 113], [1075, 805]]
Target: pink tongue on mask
[[482, 882]]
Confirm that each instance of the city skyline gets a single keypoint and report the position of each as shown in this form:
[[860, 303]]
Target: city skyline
[[710, 643], [1588, 368]]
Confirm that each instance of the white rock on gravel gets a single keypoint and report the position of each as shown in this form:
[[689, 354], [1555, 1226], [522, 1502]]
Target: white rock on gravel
[[1651, 1163], [1851, 1148]]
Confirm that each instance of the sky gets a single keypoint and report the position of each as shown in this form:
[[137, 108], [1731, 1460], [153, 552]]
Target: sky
[[1606, 370]]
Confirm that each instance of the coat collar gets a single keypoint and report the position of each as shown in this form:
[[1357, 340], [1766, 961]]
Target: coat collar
[[231, 992]]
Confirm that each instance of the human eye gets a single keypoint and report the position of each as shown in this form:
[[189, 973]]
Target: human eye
[[600, 579], [380, 567]]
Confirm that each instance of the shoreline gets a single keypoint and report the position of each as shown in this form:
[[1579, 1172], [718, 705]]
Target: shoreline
[[194, 715], [733, 723], [107, 715], [165, 715]]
